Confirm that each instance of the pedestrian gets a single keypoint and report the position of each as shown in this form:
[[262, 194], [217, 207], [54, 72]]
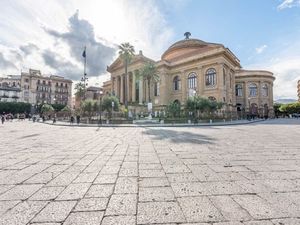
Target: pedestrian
[[72, 120], [2, 119], [54, 119], [78, 119]]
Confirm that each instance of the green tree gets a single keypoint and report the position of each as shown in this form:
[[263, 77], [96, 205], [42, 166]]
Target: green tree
[[58, 107], [149, 74], [87, 107], [126, 52], [66, 109], [173, 109], [107, 104], [79, 90], [47, 109]]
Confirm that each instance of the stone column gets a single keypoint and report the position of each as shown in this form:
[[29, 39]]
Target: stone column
[[133, 88], [259, 98], [122, 90], [141, 91], [127, 88]]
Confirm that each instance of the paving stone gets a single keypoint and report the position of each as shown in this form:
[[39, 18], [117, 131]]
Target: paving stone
[[159, 212], [176, 169], [122, 204], [156, 194], [86, 218], [63, 179], [91, 204], [229, 208], [20, 192], [47, 193], [41, 178], [22, 213], [257, 207], [128, 172], [126, 185], [152, 173], [4, 188], [153, 182], [189, 189], [6, 205], [246, 170], [199, 209], [259, 222], [287, 221], [74, 191], [119, 220], [223, 187], [182, 178], [85, 178], [55, 211], [106, 179], [228, 223], [99, 191]]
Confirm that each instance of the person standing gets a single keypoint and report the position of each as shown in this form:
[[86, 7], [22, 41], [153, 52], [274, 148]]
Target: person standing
[[2, 118], [78, 119]]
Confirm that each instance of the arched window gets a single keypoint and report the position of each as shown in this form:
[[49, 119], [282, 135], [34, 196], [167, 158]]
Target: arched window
[[238, 90], [176, 83], [156, 89], [252, 90], [192, 81], [210, 77], [265, 90]]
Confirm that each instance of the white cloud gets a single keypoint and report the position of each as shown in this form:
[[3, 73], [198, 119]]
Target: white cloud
[[286, 69], [288, 4], [22, 23], [260, 49]]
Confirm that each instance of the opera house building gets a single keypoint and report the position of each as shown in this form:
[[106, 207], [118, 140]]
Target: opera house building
[[194, 67]]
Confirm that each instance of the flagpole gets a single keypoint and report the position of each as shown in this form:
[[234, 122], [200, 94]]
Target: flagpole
[[84, 71]]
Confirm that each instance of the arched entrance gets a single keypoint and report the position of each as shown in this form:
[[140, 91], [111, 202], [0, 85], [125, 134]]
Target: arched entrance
[[253, 110], [265, 111]]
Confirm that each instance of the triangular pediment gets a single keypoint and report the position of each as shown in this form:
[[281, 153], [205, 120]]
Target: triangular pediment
[[118, 63]]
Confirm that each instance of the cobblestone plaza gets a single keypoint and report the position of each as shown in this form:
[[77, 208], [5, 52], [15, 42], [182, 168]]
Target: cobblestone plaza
[[221, 175]]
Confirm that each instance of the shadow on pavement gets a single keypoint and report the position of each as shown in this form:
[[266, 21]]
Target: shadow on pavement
[[178, 136]]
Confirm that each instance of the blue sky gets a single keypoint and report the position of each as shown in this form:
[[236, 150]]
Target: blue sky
[[50, 35]]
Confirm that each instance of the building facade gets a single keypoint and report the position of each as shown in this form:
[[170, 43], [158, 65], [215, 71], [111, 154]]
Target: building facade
[[10, 89], [35, 88], [91, 93], [193, 67]]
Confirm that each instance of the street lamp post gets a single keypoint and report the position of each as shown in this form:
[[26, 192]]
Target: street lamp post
[[100, 107]]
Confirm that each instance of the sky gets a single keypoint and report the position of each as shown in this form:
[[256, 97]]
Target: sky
[[51, 35]]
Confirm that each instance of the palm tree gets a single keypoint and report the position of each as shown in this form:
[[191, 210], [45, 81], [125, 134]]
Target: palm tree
[[79, 87], [126, 52], [149, 74]]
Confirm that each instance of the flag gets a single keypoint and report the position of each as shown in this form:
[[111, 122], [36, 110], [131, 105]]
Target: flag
[[83, 54]]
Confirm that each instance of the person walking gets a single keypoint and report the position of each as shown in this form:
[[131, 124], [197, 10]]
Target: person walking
[[72, 120], [78, 119], [2, 118]]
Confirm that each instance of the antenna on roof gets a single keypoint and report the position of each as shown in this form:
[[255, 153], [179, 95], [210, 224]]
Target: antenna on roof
[[187, 35]]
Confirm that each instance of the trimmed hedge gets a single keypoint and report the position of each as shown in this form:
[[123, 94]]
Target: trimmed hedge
[[14, 107]]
